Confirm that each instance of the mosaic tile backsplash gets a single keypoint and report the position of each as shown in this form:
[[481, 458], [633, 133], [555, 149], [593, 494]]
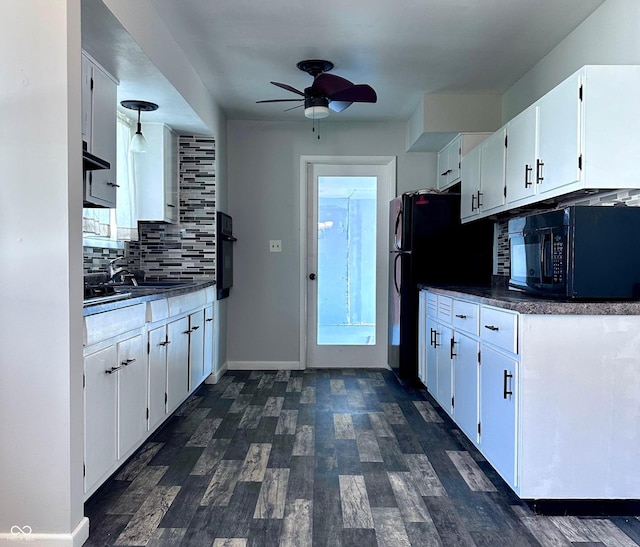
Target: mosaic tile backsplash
[[182, 251]]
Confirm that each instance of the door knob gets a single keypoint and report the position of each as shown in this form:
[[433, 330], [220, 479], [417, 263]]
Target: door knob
[[312, 276]]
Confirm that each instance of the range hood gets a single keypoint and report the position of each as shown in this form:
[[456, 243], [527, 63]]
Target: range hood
[[91, 162]]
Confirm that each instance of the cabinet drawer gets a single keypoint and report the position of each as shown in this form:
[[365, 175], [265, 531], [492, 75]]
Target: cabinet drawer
[[186, 302], [432, 304], [465, 316], [500, 328], [445, 305], [102, 326]]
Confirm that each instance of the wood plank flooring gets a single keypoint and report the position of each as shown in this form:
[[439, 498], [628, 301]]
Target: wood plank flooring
[[325, 458]]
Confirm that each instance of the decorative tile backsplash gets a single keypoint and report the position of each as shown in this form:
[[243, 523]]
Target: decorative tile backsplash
[[176, 251], [628, 197]]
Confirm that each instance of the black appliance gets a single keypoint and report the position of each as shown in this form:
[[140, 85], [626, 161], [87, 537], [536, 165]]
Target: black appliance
[[224, 254], [428, 245], [590, 252]]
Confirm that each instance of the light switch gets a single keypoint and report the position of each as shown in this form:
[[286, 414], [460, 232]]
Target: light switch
[[275, 245]]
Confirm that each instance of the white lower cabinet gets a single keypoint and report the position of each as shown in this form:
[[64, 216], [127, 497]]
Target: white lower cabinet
[[132, 394], [498, 399], [551, 400], [177, 363], [100, 419], [158, 342], [128, 392], [196, 349], [465, 384], [115, 403]]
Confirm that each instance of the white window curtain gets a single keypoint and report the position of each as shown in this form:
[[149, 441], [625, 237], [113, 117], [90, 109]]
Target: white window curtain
[[126, 213], [121, 223]]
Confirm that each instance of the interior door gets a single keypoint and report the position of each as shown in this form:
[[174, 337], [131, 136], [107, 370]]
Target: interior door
[[347, 254]]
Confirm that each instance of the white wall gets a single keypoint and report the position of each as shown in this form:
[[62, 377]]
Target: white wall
[[41, 449], [610, 35], [264, 196]]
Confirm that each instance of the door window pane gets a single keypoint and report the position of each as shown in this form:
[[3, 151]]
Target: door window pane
[[346, 260]]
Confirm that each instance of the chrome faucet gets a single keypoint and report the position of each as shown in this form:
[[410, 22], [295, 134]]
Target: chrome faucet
[[121, 271]]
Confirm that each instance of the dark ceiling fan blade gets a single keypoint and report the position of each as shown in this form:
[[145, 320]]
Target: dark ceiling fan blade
[[328, 84], [339, 106], [288, 88], [279, 100], [359, 93]]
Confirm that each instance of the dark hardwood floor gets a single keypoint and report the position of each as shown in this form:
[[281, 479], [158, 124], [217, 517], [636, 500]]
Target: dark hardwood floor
[[323, 458]]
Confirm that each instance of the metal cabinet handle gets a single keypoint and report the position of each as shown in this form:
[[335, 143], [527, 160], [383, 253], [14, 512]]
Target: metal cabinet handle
[[491, 327], [186, 331], [113, 369], [453, 342], [461, 316], [170, 205], [527, 171], [506, 377], [539, 166], [435, 339], [164, 343], [128, 362], [210, 319], [480, 194], [113, 184], [473, 202]]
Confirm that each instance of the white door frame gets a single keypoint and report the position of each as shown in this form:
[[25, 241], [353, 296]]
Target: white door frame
[[305, 162]]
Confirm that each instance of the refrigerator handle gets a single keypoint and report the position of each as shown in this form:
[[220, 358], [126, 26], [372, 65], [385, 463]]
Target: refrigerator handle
[[398, 220], [395, 272]]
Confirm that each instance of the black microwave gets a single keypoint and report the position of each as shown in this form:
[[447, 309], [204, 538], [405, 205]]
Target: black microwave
[[590, 252]]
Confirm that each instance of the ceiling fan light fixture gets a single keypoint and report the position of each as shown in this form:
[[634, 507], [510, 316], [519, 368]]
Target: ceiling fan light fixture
[[316, 112]]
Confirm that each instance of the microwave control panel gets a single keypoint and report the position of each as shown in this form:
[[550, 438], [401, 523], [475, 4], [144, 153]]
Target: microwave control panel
[[557, 260]]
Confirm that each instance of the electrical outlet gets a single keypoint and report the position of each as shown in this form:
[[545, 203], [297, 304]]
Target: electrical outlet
[[275, 246]]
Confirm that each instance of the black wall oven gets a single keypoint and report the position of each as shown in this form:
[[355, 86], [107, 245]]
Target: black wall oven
[[590, 252], [224, 254]]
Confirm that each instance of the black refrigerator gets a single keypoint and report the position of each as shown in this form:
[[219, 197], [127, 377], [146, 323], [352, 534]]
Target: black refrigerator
[[429, 245]]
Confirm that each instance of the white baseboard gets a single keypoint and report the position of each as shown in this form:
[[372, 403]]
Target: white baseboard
[[24, 534], [214, 377], [264, 365], [367, 365]]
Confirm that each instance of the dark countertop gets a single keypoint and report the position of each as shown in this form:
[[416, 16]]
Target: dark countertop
[[512, 299], [145, 294]]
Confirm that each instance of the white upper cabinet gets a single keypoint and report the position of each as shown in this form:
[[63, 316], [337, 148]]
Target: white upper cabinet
[[483, 182], [450, 157], [157, 175], [521, 155], [99, 102], [582, 135]]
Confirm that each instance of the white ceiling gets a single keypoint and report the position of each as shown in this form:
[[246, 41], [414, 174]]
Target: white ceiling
[[402, 48]]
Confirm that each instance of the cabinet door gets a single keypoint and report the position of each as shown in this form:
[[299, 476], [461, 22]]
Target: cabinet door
[[158, 343], [443, 167], [177, 363], [132, 394], [431, 358], [209, 341], [103, 139], [196, 349], [100, 392], [453, 153], [559, 114], [521, 155], [86, 100], [422, 336], [498, 396], [470, 185], [492, 162], [465, 384], [442, 341]]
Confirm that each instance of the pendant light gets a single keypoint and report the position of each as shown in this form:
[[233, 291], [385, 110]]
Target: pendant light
[[138, 142]]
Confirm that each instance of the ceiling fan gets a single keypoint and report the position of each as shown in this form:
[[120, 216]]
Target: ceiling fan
[[327, 91]]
